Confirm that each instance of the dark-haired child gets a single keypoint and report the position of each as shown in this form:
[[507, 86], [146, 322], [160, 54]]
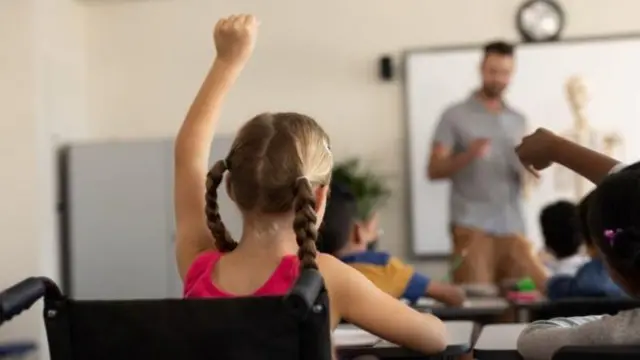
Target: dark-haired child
[[613, 221], [347, 235], [562, 237], [277, 172], [592, 278]]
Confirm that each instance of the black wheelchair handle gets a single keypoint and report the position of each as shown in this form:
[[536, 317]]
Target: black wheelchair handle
[[22, 296], [302, 297]]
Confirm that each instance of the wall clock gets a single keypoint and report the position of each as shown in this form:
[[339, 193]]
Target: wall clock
[[540, 20]]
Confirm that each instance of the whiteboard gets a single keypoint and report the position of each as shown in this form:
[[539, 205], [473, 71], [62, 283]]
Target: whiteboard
[[434, 80]]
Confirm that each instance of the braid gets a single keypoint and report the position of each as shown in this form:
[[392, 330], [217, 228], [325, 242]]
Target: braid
[[304, 223], [223, 240]]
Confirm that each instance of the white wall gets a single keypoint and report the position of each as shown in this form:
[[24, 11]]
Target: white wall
[[42, 92], [76, 69], [20, 252]]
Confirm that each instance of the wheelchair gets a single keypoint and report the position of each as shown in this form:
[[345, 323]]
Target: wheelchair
[[291, 327]]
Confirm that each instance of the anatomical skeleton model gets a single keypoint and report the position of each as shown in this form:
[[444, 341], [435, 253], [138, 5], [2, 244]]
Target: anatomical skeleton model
[[583, 134]]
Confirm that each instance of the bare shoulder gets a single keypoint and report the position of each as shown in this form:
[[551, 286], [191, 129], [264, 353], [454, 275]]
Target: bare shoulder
[[343, 281], [327, 261], [332, 269], [339, 277]]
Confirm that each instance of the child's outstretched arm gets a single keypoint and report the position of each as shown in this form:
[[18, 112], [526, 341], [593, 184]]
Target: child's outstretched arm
[[542, 148], [234, 40], [363, 304]]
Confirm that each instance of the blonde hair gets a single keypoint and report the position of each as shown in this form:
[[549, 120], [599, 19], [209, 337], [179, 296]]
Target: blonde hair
[[274, 162]]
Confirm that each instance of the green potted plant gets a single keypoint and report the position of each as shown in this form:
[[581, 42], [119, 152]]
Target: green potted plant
[[368, 188]]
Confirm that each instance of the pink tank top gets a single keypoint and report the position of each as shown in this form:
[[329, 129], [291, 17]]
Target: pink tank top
[[198, 284]]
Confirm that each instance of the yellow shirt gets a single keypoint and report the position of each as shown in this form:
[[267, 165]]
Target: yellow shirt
[[389, 274]]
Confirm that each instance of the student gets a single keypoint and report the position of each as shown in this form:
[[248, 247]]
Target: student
[[347, 236], [562, 237], [592, 279], [277, 172], [613, 221]]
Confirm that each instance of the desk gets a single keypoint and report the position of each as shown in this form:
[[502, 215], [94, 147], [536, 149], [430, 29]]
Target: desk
[[524, 309], [347, 335], [499, 342], [544, 309], [345, 340], [482, 310], [481, 290]]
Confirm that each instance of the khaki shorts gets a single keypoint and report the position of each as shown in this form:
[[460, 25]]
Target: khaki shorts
[[488, 259]]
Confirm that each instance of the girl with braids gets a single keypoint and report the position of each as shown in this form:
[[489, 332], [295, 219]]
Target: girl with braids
[[277, 172], [613, 216]]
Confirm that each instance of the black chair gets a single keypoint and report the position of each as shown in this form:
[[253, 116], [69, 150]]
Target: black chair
[[295, 326], [577, 307], [610, 352]]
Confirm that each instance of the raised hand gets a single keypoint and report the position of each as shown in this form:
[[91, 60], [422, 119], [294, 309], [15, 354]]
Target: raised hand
[[235, 38], [536, 151]]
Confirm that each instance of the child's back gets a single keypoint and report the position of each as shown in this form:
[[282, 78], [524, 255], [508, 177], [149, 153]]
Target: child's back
[[277, 173], [203, 278], [591, 280]]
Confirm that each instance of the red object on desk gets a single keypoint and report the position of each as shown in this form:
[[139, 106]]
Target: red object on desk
[[520, 296]]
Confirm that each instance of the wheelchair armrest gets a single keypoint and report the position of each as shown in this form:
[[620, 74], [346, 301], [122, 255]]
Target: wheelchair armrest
[[23, 295], [302, 297]]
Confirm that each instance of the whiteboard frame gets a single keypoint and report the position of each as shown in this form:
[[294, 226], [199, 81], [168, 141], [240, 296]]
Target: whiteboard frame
[[408, 192]]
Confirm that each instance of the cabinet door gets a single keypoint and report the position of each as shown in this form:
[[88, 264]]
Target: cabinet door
[[115, 227]]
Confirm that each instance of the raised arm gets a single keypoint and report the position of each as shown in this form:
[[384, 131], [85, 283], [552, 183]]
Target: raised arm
[[443, 162], [542, 148], [234, 41]]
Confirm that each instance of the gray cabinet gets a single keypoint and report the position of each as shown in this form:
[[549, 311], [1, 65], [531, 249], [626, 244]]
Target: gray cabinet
[[117, 224]]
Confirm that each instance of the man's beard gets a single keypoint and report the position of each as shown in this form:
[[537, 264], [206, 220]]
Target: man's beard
[[492, 91]]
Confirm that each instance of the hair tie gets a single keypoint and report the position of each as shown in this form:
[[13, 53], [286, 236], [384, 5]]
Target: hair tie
[[227, 164], [611, 235], [302, 177]]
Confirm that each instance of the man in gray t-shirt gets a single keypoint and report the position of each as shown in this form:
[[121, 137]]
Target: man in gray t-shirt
[[473, 147]]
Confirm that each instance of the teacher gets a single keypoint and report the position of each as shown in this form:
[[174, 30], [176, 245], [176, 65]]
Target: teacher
[[473, 148]]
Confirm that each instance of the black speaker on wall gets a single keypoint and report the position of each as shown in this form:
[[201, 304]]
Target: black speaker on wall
[[386, 68]]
